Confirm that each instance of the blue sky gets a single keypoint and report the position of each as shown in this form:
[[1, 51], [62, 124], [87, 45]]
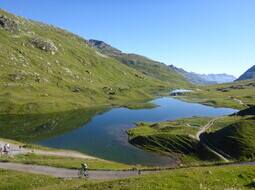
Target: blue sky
[[204, 36]]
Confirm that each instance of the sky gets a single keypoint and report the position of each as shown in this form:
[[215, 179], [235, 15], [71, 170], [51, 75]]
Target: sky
[[203, 36]]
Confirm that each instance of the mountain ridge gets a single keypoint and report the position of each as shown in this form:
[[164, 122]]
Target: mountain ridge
[[204, 79], [192, 77], [249, 74], [141, 63]]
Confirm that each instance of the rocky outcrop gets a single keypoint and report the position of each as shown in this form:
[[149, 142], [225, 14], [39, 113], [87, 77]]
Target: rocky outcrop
[[104, 47], [44, 44], [8, 24]]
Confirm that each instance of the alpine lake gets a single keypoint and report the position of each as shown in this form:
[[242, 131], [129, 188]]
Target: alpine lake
[[102, 132]]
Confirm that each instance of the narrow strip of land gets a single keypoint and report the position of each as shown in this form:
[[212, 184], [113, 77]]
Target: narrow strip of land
[[15, 150]]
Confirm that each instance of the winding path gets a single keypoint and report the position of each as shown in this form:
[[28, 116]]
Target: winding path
[[203, 129], [240, 101], [204, 141]]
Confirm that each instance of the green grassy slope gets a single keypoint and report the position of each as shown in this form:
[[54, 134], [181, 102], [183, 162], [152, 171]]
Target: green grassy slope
[[248, 111], [236, 139], [234, 135], [46, 69], [216, 178], [222, 95], [143, 64], [172, 138]]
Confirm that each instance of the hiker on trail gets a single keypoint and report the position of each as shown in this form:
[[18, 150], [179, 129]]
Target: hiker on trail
[[4, 148], [7, 147]]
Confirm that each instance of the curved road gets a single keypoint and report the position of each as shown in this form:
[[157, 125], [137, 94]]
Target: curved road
[[68, 173]]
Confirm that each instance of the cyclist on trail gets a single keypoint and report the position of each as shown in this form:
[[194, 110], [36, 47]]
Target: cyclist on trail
[[83, 173]]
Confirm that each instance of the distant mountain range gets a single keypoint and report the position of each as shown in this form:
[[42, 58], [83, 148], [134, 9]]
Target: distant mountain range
[[249, 74], [218, 78], [203, 79], [192, 77]]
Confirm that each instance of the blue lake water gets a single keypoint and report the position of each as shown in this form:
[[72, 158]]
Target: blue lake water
[[105, 137]]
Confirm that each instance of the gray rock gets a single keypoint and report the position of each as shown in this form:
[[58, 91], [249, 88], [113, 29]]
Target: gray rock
[[41, 80], [8, 24], [209, 172], [17, 76], [44, 44], [77, 90]]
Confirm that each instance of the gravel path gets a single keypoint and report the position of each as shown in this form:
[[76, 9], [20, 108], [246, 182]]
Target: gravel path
[[15, 151]]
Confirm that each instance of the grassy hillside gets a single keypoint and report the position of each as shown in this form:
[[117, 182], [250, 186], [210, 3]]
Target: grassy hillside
[[143, 64], [174, 138], [234, 135], [236, 139], [216, 178], [248, 111], [224, 95], [46, 69]]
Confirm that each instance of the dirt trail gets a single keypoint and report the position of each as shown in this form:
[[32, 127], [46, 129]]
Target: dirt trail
[[203, 129], [15, 150], [240, 101], [200, 137]]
